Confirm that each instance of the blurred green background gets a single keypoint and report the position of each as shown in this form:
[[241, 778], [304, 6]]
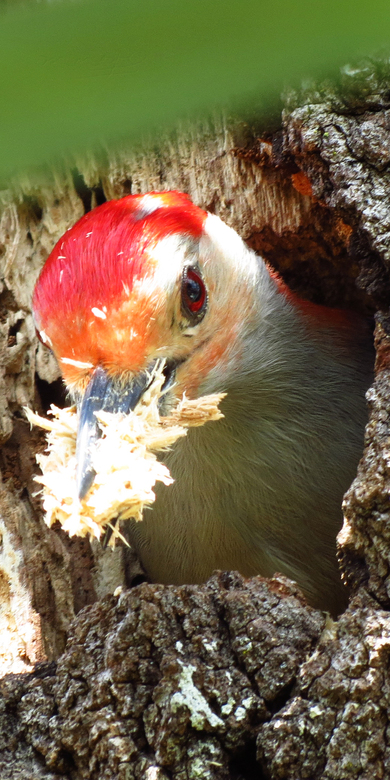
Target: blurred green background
[[75, 74]]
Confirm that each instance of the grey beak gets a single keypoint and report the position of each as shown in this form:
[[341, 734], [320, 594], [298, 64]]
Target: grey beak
[[102, 394]]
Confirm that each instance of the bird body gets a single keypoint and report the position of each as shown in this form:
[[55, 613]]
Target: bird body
[[260, 490]]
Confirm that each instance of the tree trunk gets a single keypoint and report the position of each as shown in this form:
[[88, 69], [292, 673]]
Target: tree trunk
[[232, 679]]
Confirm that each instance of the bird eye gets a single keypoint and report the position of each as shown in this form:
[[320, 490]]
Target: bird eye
[[193, 294]]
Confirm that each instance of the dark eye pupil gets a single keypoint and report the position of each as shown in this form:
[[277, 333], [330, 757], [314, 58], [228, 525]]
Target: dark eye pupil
[[194, 296], [193, 290]]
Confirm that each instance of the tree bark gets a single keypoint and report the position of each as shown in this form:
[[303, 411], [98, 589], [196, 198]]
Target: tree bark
[[232, 679]]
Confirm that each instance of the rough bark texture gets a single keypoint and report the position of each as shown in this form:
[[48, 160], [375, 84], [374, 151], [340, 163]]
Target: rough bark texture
[[174, 679], [233, 679]]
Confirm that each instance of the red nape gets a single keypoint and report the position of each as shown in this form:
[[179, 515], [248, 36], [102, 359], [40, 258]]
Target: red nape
[[106, 251], [322, 316]]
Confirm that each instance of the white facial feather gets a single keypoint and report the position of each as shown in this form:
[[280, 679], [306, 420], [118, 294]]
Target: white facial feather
[[167, 258], [227, 244]]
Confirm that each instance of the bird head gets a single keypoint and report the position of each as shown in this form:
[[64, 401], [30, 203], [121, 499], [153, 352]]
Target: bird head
[[136, 280]]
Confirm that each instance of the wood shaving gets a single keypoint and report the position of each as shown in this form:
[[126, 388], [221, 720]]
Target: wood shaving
[[124, 459]]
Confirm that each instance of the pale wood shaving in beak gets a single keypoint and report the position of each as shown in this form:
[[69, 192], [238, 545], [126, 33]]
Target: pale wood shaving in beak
[[124, 459]]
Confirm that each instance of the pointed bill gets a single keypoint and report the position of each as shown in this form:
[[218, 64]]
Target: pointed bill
[[102, 394]]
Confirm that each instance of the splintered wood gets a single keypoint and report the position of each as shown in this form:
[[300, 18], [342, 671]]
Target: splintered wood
[[124, 460]]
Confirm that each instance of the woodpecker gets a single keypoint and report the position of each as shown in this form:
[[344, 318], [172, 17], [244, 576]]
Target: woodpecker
[[153, 276]]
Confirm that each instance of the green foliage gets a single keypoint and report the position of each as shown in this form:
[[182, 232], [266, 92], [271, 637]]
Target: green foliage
[[76, 74]]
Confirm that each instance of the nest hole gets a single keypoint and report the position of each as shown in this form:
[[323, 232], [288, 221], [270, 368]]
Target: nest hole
[[51, 393]]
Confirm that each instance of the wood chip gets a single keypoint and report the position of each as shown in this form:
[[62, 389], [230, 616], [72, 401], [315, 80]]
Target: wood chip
[[124, 459]]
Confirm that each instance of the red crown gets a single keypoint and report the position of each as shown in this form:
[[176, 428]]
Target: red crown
[[105, 249], [82, 304]]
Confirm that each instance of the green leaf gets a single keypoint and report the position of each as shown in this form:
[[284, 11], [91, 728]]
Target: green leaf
[[76, 74]]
